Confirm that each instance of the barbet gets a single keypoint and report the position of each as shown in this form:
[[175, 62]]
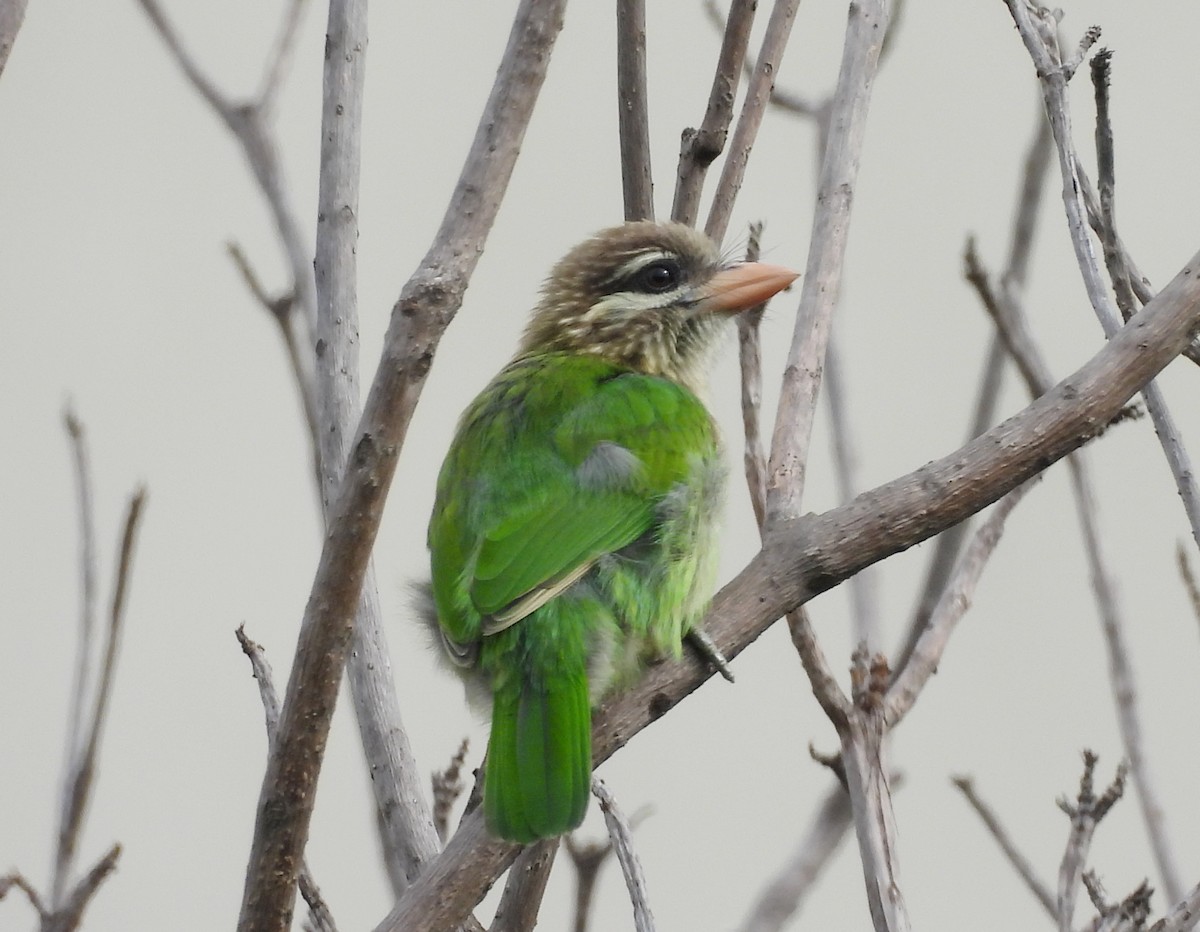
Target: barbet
[[573, 532]]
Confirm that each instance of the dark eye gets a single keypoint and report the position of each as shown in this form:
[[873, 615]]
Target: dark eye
[[657, 277]]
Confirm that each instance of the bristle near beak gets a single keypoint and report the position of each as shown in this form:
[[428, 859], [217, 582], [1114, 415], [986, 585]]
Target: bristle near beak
[[743, 286]]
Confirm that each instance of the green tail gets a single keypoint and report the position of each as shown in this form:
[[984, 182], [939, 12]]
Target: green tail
[[539, 761]]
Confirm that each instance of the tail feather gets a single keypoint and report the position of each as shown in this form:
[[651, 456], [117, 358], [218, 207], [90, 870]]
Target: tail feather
[[539, 761]]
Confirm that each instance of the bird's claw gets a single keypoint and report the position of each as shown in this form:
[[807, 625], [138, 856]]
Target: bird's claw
[[709, 650]]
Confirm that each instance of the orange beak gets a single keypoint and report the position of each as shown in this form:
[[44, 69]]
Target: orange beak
[[744, 286]]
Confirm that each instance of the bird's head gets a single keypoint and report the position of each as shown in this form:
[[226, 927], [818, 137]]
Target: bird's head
[[650, 296]]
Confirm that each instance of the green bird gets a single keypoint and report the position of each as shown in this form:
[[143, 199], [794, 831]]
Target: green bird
[[573, 533]]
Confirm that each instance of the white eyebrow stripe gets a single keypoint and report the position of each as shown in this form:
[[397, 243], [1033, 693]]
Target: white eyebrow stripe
[[641, 260]]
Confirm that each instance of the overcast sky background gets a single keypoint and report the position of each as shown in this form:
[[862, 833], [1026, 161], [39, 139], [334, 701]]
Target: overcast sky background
[[119, 192]]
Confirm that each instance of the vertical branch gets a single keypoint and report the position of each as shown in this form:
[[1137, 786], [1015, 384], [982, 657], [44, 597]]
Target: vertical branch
[[758, 93], [426, 306], [867, 27], [699, 147], [406, 825], [526, 886], [633, 113]]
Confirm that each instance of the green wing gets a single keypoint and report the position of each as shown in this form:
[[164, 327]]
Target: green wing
[[561, 460]]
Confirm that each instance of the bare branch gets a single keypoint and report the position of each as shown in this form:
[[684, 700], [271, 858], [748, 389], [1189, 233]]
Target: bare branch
[[758, 92], [633, 110], [17, 879], [864, 608], [824, 684], [79, 780], [282, 310], [587, 859], [424, 309], [247, 122], [1189, 579], [319, 912], [1085, 814], [281, 56], [621, 835], [1018, 861], [783, 896], [1035, 26], [526, 886], [821, 284], [862, 738], [1184, 917], [700, 147], [447, 787], [1118, 275], [754, 459], [69, 814], [69, 916]]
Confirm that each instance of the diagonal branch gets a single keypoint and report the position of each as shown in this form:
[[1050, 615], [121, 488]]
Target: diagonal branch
[[425, 308], [758, 94], [699, 147]]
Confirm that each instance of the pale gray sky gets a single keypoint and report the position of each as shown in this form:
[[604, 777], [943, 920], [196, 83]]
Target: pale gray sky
[[120, 190]]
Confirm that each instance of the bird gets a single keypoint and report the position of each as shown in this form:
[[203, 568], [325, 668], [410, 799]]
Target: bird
[[573, 532]]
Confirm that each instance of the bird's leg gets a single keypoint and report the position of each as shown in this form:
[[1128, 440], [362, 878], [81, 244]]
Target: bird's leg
[[708, 649]]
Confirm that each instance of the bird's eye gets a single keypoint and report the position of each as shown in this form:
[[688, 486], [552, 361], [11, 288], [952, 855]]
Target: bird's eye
[[657, 277]]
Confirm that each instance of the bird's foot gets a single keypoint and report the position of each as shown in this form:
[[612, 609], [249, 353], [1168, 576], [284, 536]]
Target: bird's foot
[[709, 650]]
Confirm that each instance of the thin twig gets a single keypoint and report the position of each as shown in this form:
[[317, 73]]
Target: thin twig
[[1019, 862], [69, 916], [1085, 813], [1185, 915], [621, 835], [700, 147], [794, 417], [1118, 275], [587, 859], [17, 879], [69, 814], [1037, 29], [80, 781], [754, 458], [447, 786], [426, 305], [758, 92], [1189, 579], [864, 603], [633, 110], [318, 910], [281, 310], [527, 878], [281, 57]]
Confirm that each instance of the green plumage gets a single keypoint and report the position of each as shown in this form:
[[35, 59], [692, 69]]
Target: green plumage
[[572, 532], [563, 462]]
